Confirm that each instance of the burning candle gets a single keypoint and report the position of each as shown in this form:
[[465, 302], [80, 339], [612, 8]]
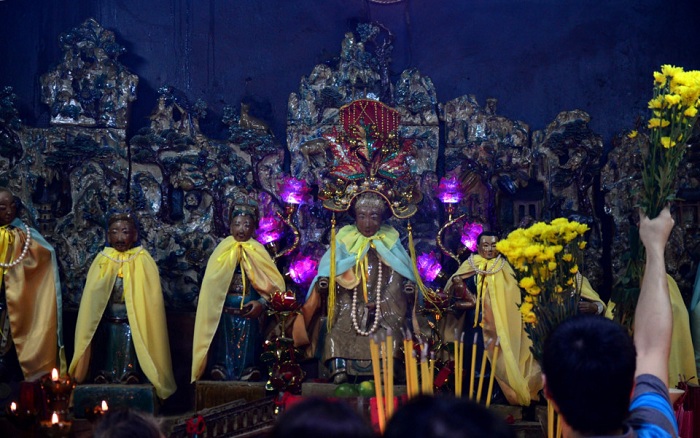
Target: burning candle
[[54, 417], [105, 408], [54, 375], [13, 407]]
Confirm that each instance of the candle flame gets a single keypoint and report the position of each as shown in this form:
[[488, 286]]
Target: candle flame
[[54, 418], [54, 375], [104, 406], [13, 406]]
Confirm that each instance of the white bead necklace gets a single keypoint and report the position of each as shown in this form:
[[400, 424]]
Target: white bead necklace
[[121, 261], [495, 268], [378, 312], [25, 250]]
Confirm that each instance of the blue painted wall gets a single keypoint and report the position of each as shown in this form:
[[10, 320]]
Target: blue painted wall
[[537, 57]]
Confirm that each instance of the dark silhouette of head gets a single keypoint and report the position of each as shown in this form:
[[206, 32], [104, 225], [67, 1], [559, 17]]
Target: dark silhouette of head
[[446, 417], [127, 423], [589, 364], [321, 418]]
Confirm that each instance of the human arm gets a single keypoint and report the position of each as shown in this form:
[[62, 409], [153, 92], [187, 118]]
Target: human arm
[[653, 316]]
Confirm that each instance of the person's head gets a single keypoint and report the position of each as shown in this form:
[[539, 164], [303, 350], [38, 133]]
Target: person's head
[[126, 423], [589, 364], [321, 418], [8, 207], [446, 417], [486, 245], [370, 210], [122, 233], [244, 221]]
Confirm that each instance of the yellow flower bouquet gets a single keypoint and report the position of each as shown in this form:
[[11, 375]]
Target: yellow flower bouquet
[[546, 258], [674, 112]]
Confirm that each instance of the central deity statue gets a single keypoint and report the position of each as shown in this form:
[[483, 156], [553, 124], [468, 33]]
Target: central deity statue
[[366, 277]]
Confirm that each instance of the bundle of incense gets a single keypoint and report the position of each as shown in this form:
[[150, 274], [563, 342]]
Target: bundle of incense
[[414, 372], [374, 353], [472, 370], [407, 361], [484, 358], [550, 419], [458, 365], [431, 373], [389, 375], [424, 379], [496, 348]]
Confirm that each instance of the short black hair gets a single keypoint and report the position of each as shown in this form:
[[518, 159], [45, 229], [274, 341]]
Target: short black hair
[[446, 417], [485, 234], [589, 364], [317, 417], [127, 423]]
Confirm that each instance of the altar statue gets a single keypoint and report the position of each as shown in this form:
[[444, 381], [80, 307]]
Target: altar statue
[[121, 334], [31, 339], [239, 281], [487, 279], [376, 283]]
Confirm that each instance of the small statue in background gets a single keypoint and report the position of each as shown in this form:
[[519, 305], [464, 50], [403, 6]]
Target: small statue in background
[[121, 333], [239, 280], [31, 341]]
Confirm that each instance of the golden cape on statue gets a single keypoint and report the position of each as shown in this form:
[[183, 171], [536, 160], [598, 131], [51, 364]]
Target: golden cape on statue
[[32, 291], [257, 266], [517, 372], [145, 309]]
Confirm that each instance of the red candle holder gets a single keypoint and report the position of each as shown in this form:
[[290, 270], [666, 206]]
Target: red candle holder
[[57, 391]]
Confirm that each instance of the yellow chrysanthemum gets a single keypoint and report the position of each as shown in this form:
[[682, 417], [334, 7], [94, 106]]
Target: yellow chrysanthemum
[[527, 282], [672, 99], [530, 318], [558, 289], [654, 123], [659, 78], [582, 245], [670, 70], [567, 257], [667, 143], [526, 308], [690, 112], [574, 269], [632, 134]]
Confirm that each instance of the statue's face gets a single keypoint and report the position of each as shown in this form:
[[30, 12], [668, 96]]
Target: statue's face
[[487, 247], [122, 235], [242, 228], [368, 220], [8, 208]]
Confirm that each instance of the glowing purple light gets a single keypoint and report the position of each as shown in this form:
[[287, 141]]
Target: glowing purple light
[[303, 269], [293, 191], [449, 190], [428, 266], [270, 229], [470, 233]]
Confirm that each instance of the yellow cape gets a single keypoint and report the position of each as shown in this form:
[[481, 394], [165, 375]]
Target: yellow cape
[[31, 295], [681, 361], [144, 307], [259, 268], [517, 372]]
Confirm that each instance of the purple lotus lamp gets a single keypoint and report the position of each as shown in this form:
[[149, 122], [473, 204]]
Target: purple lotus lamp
[[470, 232], [429, 266], [270, 229], [449, 192], [303, 269], [293, 192]]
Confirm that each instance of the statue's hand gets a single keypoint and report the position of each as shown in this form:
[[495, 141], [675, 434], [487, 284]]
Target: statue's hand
[[252, 310], [467, 301], [459, 288], [322, 285], [587, 307]]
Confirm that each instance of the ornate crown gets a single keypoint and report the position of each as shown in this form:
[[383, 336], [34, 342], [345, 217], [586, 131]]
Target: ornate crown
[[369, 157], [244, 204]]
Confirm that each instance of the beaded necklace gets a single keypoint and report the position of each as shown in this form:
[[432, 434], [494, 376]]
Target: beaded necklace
[[25, 250], [495, 268], [378, 292]]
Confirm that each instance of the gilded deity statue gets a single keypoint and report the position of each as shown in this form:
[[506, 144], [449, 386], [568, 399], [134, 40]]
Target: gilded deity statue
[[366, 278], [31, 340], [121, 334], [238, 282]]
